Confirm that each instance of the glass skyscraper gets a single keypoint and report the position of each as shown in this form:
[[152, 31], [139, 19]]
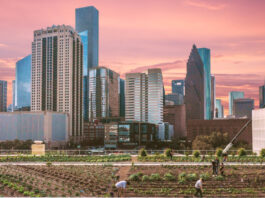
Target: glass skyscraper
[[178, 86], [3, 96], [23, 82], [86, 24], [213, 95], [206, 59], [262, 96], [122, 98], [194, 86], [13, 94], [232, 96], [219, 109]]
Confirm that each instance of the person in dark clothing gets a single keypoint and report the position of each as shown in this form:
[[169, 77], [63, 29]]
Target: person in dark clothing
[[213, 166], [222, 169], [170, 154], [217, 162]]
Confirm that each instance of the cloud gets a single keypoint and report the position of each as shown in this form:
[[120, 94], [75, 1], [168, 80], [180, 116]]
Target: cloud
[[3, 45], [205, 4]]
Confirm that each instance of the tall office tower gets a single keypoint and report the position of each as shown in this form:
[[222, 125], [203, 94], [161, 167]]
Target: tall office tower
[[13, 95], [136, 97], [176, 98], [23, 82], [178, 86], [122, 98], [232, 96], [219, 112], [194, 86], [3, 96], [86, 24], [104, 93], [243, 107], [57, 80], [213, 100], [262, 96], [205, 55], [155, 96]]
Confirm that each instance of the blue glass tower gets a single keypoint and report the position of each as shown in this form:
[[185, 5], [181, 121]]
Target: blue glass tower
[[122, 98], [178, 86], [86, 24], [23, 82], [206, 59], [219, 109], [262, 96], [232, 96]]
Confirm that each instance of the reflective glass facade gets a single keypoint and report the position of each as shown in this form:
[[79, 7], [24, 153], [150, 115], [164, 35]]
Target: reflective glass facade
[[3, 96], [122, 98], [206, 59], [262, 96], [219, 109], [23, 82], [232, 96], [178, 86]]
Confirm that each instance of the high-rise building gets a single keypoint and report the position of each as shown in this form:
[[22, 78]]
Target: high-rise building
[[122, 98], [86, 24], [13, 95], [219, 112], [155, 96], [194, 86], [144, 96], [104, 93], [3, 96], [258, 130], [243, 107], [178, 86], [262, 96], [136, 97], [206, 59], [232, 96], [23, 82], [213, 100], [177, 98], [57, 75]]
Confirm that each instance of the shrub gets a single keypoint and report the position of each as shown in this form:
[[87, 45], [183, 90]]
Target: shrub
[[167, 152], [262, 152], [182, 175], [196, 154], [49, 164], [145, 178], [143, 152], [169, 177], [219, 152], [134, 177], [191, 177], [241, 152], [139, 174], [155, 177], [219, 178], [205, 176]]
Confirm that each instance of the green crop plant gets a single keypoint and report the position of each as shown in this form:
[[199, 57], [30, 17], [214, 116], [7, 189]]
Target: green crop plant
[[169, 177]]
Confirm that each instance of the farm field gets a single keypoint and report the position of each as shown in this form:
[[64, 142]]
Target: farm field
[[177, 181]]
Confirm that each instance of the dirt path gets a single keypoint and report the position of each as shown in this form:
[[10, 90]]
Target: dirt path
[[123, 172]]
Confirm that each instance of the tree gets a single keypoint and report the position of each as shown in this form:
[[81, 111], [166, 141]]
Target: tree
[[201, 142]]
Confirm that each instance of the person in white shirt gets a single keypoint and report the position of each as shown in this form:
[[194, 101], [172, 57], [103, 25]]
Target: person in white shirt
[[198, 187], [121, 186]]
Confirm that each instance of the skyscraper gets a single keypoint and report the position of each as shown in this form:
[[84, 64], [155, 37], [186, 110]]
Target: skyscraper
[[178, 86], [122, 98], [206, 59], [262, 96], [232, 96], [155, 96], [86, 24], [213, 100], [243, 107], [3, 96], [176, 98], [194, 86], [57, 80], [144, 96], [219, 112], [23, 82], [13, 95], [104, 93]]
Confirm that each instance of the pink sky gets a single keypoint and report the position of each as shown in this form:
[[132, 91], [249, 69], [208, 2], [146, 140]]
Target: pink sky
[[138, 34]]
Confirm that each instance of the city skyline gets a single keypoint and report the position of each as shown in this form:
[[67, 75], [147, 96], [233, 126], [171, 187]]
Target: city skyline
[[237, 54]]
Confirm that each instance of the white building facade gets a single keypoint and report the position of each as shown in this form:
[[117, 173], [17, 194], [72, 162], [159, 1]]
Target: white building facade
[[57, 78], [258, 130]]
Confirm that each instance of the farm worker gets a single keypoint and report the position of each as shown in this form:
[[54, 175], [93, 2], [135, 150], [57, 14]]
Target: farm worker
[[222, 169], [217, 162], [121, 186], [170, 154], [198, 187], [213, 166]]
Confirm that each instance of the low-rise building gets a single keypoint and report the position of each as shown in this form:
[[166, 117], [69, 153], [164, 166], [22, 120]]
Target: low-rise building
[[258, 130], [229, 126], [93, 134], [47, 126], [111, 135]]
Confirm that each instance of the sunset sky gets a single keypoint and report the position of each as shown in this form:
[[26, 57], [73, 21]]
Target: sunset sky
[[137, 34]]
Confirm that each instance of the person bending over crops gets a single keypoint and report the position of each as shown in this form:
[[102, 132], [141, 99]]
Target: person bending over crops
[[121, 186], [198, 187]]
